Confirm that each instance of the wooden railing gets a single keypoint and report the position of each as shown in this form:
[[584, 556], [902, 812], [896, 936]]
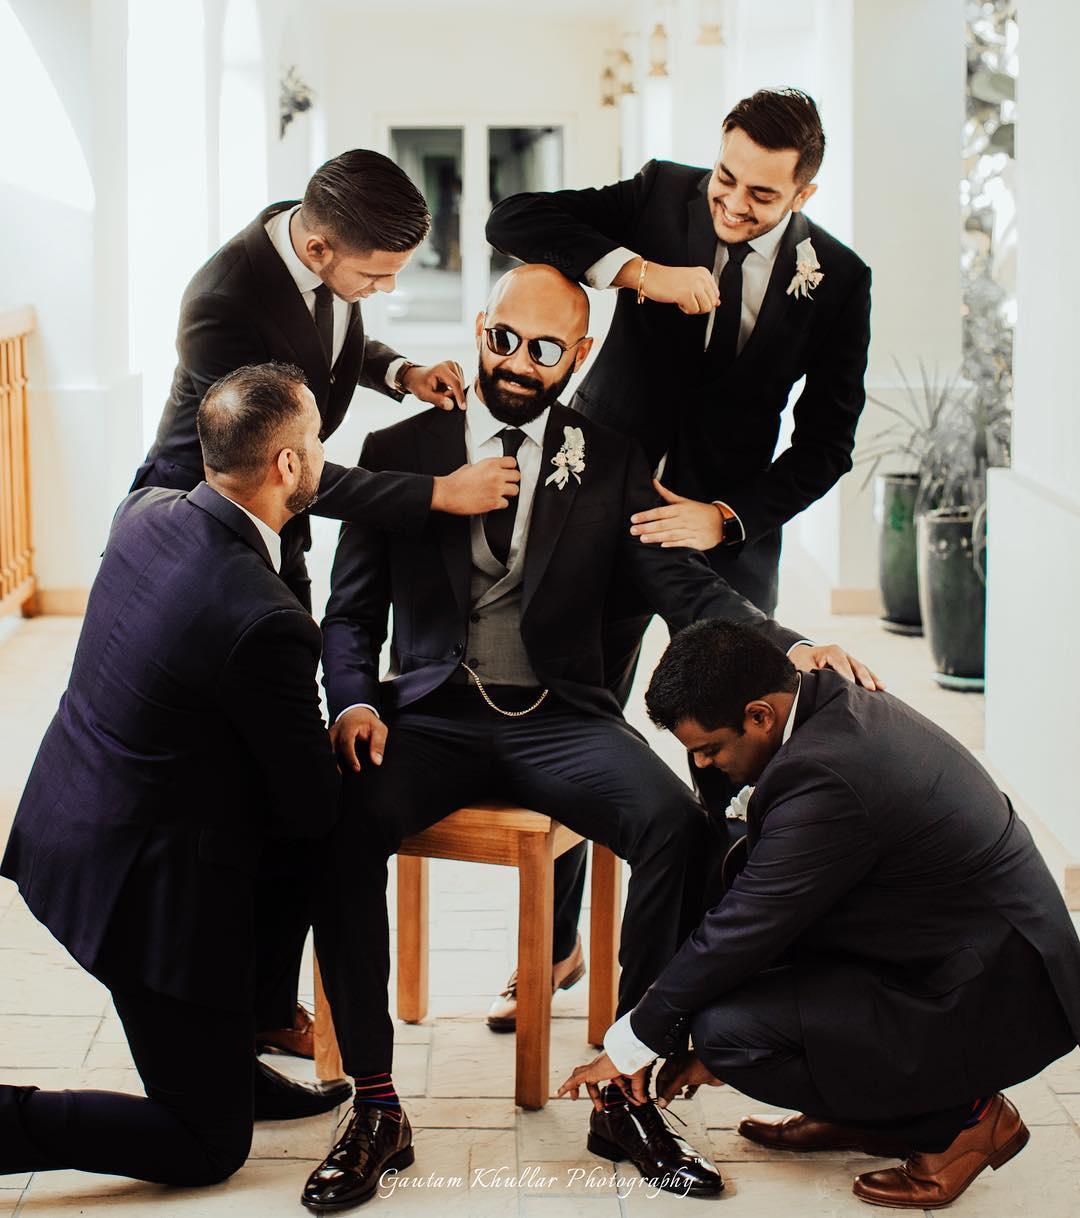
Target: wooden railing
[[17, 585]]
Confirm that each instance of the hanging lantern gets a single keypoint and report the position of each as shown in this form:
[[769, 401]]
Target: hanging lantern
[[607, 87], [624, 71], [658, 51], [710, 32]]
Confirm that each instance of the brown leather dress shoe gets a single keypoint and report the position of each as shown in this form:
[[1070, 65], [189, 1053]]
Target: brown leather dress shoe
[[297, 1041], [929, 1182], [798, 1132], [502, 1014]]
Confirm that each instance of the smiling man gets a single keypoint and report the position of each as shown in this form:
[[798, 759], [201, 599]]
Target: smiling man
[[717, 318]]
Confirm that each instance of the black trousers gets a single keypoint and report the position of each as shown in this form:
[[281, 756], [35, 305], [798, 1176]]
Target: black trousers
[[753, 1039], [192, 1127], [282, 908], [594, 774]]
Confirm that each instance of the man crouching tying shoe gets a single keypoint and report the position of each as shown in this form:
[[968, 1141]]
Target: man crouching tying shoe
[[893, 953]]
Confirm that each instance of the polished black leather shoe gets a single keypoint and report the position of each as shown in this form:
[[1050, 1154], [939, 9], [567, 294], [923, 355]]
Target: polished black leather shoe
[[375, 1140], [638, 1132], [280, 1098]]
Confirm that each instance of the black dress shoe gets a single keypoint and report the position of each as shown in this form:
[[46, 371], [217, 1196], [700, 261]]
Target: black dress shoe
[[638, 1132], [375, 1140], [280, 1098]]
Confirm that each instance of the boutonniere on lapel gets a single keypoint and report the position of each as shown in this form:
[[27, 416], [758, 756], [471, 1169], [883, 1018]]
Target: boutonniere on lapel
[[808, 273], [736, 809], [570, 459]]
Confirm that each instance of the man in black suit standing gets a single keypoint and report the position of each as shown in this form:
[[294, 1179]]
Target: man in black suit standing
[[189, 734], [288, 288], [498, 690], [729, 295], [892, 955]]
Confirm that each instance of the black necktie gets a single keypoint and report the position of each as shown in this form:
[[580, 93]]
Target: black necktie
[[324, 321], [499, 524], [725, 335]]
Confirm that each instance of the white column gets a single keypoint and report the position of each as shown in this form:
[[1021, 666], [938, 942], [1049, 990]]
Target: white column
[[1034, 508]]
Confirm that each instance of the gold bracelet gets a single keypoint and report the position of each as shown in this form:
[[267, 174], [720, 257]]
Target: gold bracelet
[[641, 281]]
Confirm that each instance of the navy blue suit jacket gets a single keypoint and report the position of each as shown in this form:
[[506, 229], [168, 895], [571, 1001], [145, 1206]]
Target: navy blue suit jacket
[[190, 728]]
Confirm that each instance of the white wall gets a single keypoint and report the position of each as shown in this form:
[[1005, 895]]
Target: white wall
[[1034, 508]]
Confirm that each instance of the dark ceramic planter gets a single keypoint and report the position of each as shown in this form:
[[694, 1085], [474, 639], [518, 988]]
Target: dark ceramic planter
[[894, 507], [952, 596]]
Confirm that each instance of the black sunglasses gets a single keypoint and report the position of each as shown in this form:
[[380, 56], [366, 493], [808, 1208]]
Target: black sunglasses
[[502, 341]]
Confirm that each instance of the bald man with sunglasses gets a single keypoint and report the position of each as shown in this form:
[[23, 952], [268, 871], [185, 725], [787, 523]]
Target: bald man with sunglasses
[[497, 690]]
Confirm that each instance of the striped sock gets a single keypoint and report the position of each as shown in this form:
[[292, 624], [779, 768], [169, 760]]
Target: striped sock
[[376, 1089], [978, 1111]]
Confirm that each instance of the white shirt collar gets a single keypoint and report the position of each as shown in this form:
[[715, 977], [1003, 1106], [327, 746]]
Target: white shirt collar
[[270, 538], [281, 239], [768, 243], [789, 727], [483, 425]]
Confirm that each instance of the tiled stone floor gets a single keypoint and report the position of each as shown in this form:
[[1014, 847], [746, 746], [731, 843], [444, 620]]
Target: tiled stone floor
[[476, 1154]]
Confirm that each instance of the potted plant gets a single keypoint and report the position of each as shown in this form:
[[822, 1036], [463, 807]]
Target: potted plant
[[913, 442]]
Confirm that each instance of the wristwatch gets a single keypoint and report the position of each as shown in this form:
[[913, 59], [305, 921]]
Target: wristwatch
[[402, 372], [731, 530]]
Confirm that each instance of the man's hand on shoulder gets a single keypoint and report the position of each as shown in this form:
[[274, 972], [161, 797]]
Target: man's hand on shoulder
[[472, 490], [684, 522], [442, 385], [359, 723], [807, 657]]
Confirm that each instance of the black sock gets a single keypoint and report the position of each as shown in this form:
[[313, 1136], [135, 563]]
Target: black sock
[[376, 1089]]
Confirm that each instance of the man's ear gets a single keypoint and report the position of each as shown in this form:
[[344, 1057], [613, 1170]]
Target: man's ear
[[288, 466], [759, 715], [481, 317], [804, 196], [582, 352], [318, 250]]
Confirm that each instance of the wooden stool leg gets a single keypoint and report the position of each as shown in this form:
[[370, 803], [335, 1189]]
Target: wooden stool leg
[[535, 912], [604, 927], [327, 1056], [412, 931]]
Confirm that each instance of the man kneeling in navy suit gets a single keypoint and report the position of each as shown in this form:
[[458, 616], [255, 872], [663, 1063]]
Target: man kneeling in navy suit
[[894, 951]]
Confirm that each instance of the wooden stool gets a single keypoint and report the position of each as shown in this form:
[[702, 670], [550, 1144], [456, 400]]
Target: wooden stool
[[531, 842]]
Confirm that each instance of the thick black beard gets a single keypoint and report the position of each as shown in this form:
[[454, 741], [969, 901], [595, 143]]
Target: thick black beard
[[512, 408]]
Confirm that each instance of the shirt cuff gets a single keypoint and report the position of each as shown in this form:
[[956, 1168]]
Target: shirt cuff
[[628, 1054], [601, 274], [800, 643], [391, 377], [735, 516], [368, 706]]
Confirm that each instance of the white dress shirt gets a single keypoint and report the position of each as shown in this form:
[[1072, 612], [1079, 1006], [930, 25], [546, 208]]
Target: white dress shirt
[[482, 440], [306, 280], [627, 1053], [271, 540]]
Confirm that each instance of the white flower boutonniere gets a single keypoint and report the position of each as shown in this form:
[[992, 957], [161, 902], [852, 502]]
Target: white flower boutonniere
[[807, 271], [570, 459]]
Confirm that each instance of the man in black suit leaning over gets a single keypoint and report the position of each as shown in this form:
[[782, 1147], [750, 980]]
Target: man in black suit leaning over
[[894, 951], [289, 288], [720, 312], [498, 690], [190, 732]]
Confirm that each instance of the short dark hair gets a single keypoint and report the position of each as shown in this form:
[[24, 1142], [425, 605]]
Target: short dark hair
[[243, 415], [361, 201], [711, 671], [778, 119]]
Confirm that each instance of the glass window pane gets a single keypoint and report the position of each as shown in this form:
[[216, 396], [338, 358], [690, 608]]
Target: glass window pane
[[521, 158], [429, 289]]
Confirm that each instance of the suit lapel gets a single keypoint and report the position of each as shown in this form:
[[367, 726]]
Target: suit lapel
[[441, 443], [282, 302], [777, 302], [551, 506]]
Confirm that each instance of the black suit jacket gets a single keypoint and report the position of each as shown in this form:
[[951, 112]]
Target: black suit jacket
[[717, 421], [243, 307], [578, 537], [877, 841], [189, 730]]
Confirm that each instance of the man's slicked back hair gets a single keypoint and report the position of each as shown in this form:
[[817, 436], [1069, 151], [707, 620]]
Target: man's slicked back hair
[[711, 671], [245, 414], [779, 119], [362, 202]]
